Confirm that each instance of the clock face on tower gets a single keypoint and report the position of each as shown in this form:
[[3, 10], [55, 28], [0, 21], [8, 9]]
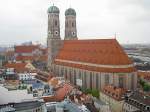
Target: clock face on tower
[[56, 33], [49, 33], [73, 33]]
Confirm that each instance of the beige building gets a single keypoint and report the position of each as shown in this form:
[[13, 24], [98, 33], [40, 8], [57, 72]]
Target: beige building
[[91, 63], [113, 96]]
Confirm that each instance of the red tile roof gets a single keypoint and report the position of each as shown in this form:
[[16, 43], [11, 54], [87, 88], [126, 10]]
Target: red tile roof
[[25, 48], [62, 92], [24, 58], [98, 51], [44, 76], [43, 58], [19, 67], [31, 58], [114, 92], [44, 50]]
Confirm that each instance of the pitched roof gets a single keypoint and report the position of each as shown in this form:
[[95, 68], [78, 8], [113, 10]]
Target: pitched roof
[[31, 58], [97, 55], [44, 76], [25, 48], [63, 91], [114, 92], [19, 67], [60, 93], [24, 58]]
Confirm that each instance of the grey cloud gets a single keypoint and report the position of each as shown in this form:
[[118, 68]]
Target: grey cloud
[[26, 20]]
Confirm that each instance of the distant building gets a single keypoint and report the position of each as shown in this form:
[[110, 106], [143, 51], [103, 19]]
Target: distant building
[[10, 74], [137, 102], [20, 67], [2, 60], [26, 76], [29, 53], [59, 95], [69, 106], [114, 97], [26, 106], [9, 54], [19, 101], [92, 63]]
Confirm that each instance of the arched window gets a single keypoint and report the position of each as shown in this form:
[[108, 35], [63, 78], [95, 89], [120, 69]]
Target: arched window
[[91, 80], [80, 76], [70, 75], [66, 73], [56, 23], [106, 79], [62, 72], [97, 81], [74, 77], [121, 82], [72, 24], [85, 84]]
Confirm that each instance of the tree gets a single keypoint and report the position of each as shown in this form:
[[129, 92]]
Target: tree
[[142, 83], [146, 87], [95, 93]]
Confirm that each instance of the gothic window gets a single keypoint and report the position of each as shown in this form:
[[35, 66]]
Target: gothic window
[[58, 70], [62, 72], [85, 79], [97, 81], [132, 79], [121, 82], [56, 23], [80, 76], [70, 75], [66, 73], [106, 79], [91, 80], [72, 24], [74, 77]]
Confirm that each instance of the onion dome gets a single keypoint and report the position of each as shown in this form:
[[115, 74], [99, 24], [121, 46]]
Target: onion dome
[[53, 9], [70, 11]]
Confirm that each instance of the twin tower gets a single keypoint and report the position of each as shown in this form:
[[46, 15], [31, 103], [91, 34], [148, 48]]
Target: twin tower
[[54, 42], [54, 24]]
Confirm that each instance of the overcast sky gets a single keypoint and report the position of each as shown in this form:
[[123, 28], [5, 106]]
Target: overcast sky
[[26, 20]]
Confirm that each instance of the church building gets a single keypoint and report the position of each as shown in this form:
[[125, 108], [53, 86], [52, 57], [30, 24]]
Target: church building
[[91, 63]]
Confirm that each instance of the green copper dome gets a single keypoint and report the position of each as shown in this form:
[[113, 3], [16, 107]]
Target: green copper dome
[[53, 9], [70, 11]]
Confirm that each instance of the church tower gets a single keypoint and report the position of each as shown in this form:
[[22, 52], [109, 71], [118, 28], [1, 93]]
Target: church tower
[[70, 25], [53, 37]]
